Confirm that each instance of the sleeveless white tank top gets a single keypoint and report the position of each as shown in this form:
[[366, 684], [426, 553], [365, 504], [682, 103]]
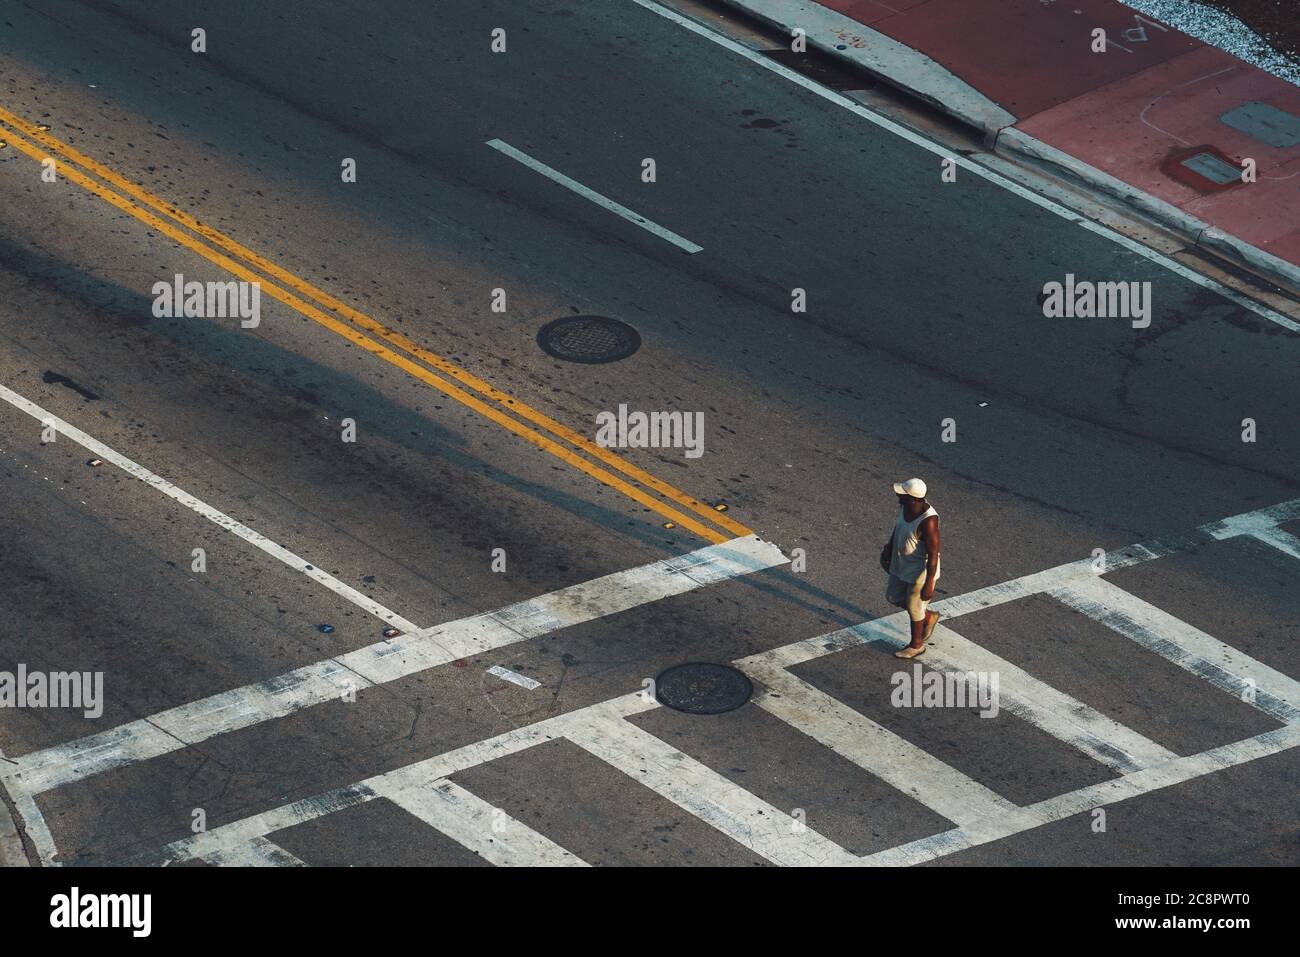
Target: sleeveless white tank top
[[908, 559]]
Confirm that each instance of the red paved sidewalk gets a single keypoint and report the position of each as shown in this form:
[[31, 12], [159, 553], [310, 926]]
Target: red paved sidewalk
[[1158, 110]]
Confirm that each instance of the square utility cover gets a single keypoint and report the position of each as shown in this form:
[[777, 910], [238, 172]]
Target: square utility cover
[[1265, 123], [1213, 168]]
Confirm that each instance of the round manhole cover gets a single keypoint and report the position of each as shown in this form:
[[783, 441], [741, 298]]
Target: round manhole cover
[[700, 687], [588, 339]]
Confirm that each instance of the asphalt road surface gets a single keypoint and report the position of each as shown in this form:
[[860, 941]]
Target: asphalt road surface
[[385, 449]]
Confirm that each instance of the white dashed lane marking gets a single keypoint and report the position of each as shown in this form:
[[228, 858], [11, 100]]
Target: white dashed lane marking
[[505, 674], [590, 194], [977, 169]]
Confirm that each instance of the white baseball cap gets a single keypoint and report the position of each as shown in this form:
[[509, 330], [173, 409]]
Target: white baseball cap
[[913, 487]]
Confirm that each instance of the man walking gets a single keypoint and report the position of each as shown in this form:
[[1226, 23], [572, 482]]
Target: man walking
[[911, 556]]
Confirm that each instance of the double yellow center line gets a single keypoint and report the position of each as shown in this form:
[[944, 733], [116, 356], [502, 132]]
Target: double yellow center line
[[341, 319]]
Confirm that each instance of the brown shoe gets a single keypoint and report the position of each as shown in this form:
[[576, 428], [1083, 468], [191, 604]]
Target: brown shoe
[[929, 625], [910, 652]]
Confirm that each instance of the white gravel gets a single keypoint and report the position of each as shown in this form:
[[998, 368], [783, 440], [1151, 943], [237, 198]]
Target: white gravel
[[1220, 30]]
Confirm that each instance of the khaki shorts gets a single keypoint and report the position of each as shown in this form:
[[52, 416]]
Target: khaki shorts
[[903, 594]]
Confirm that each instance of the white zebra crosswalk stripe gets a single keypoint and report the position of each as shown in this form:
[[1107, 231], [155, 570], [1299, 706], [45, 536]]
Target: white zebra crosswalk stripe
[[1186, 646], [1284, 542], [878, 750], [742, 816], [229, 840], [477, 825], [259, 852], [1166, 774], [1259, 520], [1023, 695], [1043, 706], [980, 815], [383, 662], [422, 774]]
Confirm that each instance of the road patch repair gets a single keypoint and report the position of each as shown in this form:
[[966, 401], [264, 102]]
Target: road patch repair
[[1094, 92]]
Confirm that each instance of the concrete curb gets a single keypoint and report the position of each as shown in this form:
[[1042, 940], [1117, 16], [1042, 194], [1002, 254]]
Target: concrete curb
[[916, 74], [12, 852], [1020, 145], [884, 57]]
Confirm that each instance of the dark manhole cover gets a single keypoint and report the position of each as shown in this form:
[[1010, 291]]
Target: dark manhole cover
[[701, 687], [588, 339]]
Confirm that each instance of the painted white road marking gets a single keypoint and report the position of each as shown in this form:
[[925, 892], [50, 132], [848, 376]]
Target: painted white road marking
[[745, 818], [602, 730], [505, 674], [259, 852], [1188, 647], [421, 774], [213, 515], [474, 823], [1060, 715], [966, 163], [1086, 799], [34, 824], [893, 759], [12, 852], [1021, 694], [1282, 541], [386, 661], [572, 184], [1260, 520]]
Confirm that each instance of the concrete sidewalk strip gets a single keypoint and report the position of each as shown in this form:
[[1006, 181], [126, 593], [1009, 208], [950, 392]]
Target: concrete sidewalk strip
[[850, 39], [382, 662], [1024, 74], [1030, 56], [1036, 153], [1179, 133]]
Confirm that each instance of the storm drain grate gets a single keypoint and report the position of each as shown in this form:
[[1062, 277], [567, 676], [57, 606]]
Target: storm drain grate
[[701, 687], [588, 339], [825, 69]]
